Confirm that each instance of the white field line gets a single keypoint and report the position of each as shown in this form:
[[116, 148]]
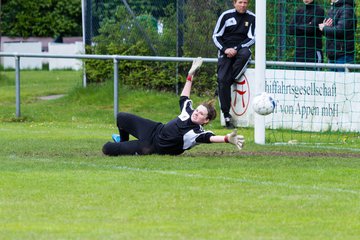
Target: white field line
[[316, 145], [222, 178]]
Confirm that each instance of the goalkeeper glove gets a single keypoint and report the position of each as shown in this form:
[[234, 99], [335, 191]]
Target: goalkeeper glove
[[237, 140], [196, 64]]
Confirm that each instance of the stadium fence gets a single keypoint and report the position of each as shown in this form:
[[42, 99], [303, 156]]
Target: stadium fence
[[308, 125]]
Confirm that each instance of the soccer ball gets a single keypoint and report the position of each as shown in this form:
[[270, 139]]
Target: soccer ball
[[263, 104]]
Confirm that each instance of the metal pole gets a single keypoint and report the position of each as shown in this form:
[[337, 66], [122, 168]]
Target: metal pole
[[180, 38], [83, 19], [17, 85], [84, 74], [116, 87], [282, 30], [0, 26]]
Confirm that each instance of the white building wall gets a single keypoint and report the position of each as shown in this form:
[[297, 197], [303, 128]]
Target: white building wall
[[22, 47], [65, 48]]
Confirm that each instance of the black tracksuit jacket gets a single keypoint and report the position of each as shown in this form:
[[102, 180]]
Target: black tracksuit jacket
[[234, 30], [308, 37], [340, 38]]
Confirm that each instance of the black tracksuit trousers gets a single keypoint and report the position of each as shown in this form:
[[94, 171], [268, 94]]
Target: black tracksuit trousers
[[229, 70]]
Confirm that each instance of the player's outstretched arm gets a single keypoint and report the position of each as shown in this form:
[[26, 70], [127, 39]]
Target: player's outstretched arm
[[233, 138], [196, 64]]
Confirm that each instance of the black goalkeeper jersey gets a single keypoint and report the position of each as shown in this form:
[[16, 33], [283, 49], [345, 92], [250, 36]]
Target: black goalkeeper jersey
[[181, 133]]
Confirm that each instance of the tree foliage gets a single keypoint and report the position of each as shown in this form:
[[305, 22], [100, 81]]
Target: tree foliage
[[41, 18], [122, 36]]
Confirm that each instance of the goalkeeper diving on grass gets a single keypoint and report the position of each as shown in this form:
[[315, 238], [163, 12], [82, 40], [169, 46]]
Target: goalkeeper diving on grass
[[174, 137]]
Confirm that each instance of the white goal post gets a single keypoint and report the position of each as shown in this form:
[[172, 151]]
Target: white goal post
[[260, 65]]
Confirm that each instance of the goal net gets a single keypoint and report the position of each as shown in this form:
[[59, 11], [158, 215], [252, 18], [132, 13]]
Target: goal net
[[317, 102]]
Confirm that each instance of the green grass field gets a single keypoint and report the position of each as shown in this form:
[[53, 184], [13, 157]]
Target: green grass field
[[56, 184]]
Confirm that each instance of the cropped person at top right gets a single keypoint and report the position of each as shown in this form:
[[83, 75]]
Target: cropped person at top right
[[339, 29], [308, 37]]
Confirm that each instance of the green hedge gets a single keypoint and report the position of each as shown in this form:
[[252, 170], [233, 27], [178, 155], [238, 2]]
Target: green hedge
[[127, 36]]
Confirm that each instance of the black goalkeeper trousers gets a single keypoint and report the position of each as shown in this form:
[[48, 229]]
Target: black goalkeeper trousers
[[141, 128], [229, 70]]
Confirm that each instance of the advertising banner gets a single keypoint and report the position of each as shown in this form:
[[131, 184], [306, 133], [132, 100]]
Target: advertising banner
[[305, 100]]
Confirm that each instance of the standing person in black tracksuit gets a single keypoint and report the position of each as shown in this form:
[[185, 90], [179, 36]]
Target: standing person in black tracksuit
[[172, 138], [308, 37], [233, 35], [339, 29]]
